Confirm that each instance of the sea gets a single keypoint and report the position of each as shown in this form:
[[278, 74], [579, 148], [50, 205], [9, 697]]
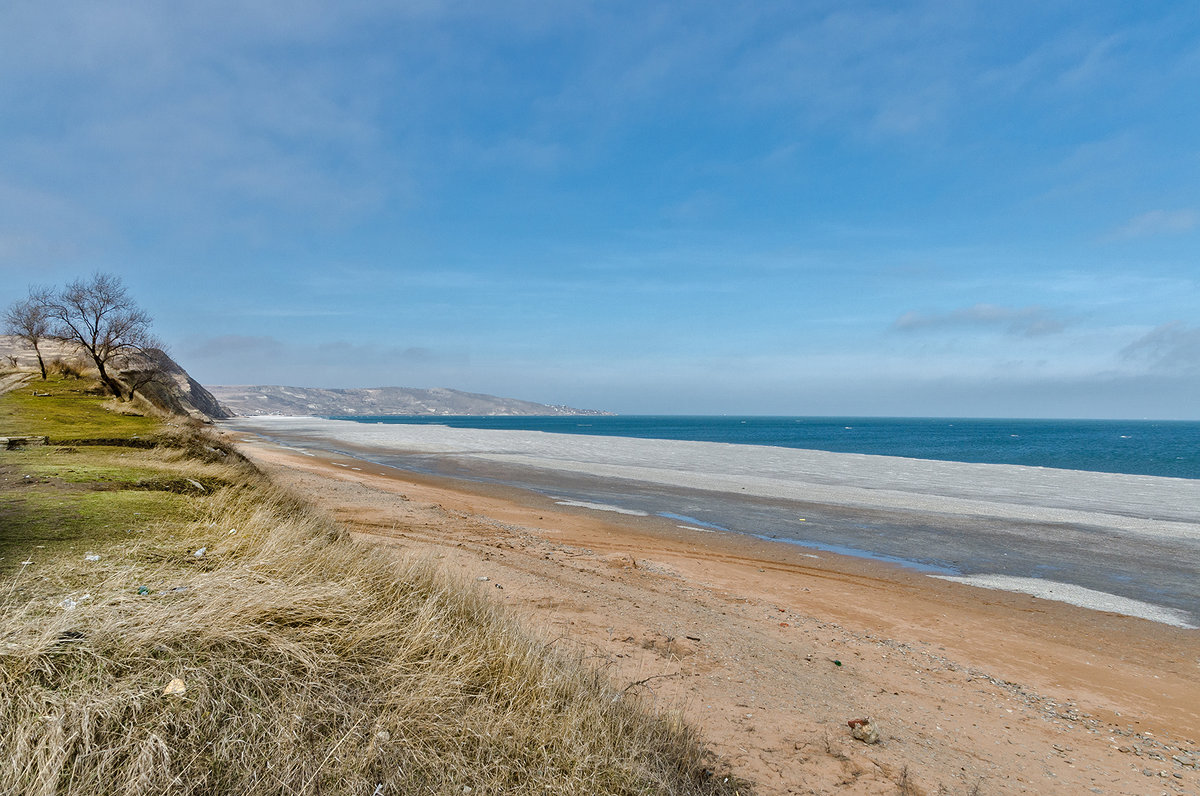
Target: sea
[[1136, 447]]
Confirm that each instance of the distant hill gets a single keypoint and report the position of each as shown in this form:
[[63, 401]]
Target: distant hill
[[254, 400]]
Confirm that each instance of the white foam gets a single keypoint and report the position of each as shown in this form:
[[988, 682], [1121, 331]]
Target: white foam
[[1076, 595], [583, 504], [694, 528]]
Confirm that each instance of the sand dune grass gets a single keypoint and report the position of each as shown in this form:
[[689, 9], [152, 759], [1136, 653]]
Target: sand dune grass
[[312, 664]]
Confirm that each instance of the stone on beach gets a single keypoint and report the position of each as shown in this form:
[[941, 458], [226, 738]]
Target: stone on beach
[[863, 730]]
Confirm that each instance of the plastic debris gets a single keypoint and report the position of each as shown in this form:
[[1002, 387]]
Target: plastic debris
[[143, 590], [200, 553], [232, 531], [174, 688], [68, 604], [482, 578], [197, 484], [90, 556]]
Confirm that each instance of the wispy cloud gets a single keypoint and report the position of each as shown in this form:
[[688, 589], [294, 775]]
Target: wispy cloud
[[1031, 321], [1157, 222], [1171, 347]]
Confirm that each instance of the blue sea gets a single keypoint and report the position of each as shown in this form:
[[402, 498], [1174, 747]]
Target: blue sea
[[1136, 447]]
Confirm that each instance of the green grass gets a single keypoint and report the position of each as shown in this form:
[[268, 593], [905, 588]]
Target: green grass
[[99, 464], [58, 500], [38, 523], [102, 466], [72, 410]]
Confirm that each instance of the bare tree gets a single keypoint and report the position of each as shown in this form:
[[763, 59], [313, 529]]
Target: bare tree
[[99, 317], [29, 320]]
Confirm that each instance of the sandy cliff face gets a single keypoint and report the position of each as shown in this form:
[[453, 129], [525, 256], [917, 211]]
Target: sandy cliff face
[[255, 400], [177, 392]]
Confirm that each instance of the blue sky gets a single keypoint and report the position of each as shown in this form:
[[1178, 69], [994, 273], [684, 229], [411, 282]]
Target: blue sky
[[947, 208]]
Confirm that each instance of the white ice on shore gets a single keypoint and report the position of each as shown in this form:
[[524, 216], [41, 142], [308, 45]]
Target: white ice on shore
[[584, 504], [1076, 595]]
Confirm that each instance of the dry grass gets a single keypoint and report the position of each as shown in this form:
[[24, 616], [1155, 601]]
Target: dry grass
[[68, 369], [312, 664]]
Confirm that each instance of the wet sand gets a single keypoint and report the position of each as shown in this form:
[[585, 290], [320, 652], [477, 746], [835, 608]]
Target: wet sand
[[970, 687]]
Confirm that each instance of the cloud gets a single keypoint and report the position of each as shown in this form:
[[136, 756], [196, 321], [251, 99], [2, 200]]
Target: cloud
[[1157, 222], [209, 118], [1031, 321], [1171, 347]]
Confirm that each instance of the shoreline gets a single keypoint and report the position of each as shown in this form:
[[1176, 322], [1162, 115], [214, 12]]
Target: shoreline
[[970, 685], [1095, 540]]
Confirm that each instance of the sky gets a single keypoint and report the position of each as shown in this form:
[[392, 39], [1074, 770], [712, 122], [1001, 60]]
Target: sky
[[968, 209]]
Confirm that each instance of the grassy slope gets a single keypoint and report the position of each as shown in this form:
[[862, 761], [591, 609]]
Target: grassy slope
[[312, 663], [67, 409], [54, 500]]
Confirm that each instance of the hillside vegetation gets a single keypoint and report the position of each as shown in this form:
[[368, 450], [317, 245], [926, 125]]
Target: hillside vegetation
[[171, 622]]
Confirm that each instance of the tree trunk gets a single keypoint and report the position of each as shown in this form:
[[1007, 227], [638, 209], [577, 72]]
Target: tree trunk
[[41, 364], [108, 380]]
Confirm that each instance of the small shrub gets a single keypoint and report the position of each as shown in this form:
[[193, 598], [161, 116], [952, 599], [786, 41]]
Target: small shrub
[[68, 370]]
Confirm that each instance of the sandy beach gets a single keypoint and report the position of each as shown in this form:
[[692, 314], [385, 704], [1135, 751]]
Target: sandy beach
[[771, 648]]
